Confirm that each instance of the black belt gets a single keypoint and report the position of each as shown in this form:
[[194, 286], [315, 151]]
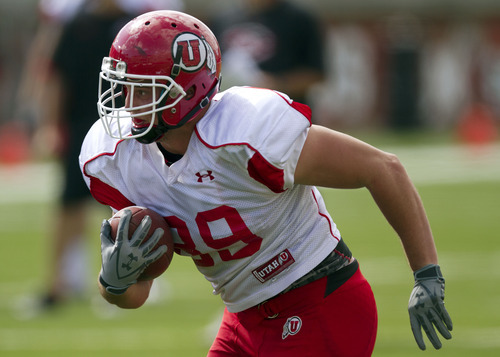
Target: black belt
[[338, 259]]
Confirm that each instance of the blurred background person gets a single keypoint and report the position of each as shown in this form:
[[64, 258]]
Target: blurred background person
[[349, 95], [72, 44], [404, 36], [446, 60], [272, 44], [37, 97], [68, 107]]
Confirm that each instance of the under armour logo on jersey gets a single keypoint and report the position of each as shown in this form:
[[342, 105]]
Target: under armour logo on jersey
[[292, 326], [204, 175]]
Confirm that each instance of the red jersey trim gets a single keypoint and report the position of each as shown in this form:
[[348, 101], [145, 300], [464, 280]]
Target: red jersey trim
[[108, 195], [325, 217], [303, 109], [262, 171], [104, 193], [258, 167]]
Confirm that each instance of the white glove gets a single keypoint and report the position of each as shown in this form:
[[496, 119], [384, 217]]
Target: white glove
[[124, 260]]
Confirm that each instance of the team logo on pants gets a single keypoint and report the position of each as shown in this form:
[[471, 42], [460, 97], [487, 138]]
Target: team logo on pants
[[292, 326]]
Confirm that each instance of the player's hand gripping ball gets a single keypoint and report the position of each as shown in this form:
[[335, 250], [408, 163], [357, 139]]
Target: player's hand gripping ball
[[159, 266]]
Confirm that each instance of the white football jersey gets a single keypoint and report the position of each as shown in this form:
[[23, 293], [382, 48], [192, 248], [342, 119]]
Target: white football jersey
[[230, 201]]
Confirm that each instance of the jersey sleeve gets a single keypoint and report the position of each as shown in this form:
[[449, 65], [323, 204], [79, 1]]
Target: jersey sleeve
[[267, 127], [100, 165]]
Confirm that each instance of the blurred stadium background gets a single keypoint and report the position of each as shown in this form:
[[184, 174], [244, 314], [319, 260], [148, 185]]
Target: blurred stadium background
[[419, 78]]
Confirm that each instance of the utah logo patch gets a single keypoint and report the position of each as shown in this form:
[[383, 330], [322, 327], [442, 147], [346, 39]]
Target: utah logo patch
[[292, 326]]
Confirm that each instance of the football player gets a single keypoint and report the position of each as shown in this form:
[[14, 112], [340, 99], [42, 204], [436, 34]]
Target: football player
[[235, 175]]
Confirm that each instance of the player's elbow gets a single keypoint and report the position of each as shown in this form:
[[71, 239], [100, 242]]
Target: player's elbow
[[392, 164], [135, 296], [130, 304], [390, 171], [124, 301]]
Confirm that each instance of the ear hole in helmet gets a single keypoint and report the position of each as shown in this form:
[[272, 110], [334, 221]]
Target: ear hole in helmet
[[190, 93]]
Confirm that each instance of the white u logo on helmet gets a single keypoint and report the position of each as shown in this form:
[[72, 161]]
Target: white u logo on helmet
[[196, 52]]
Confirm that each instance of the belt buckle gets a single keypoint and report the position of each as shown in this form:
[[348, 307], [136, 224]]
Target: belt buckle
[[264, 310]]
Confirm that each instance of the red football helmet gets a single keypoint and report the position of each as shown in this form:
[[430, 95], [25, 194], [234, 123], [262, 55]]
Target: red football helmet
[[172, 53]]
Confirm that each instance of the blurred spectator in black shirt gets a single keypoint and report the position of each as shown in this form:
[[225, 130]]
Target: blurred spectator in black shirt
[[273, 44]]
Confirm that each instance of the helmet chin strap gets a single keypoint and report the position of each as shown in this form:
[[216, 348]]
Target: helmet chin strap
[[156, 131], [151, 136]]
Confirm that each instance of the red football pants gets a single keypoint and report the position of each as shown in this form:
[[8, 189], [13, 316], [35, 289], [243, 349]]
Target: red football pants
[[303, 322]]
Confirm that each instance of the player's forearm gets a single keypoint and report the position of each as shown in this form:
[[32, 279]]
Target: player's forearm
[[402, 206], [135, 296]]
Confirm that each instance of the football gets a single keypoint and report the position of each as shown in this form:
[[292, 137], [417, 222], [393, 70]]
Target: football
[[157, 221]]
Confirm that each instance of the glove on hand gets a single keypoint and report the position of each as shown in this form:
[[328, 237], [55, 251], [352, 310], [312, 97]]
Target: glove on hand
[[124, 260], [426, 306]]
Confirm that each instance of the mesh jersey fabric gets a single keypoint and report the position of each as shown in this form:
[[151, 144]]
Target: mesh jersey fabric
[[230, 200]]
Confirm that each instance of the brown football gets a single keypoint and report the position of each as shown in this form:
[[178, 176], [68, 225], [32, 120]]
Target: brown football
[[157, 221]]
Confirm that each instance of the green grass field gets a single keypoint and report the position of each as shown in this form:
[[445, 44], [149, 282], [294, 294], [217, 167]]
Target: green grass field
[[460, 189]]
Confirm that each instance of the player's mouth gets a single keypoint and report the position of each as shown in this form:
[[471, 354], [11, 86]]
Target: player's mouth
[[139, 123]]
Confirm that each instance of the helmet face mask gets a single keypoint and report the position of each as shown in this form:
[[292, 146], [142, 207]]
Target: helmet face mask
[[171, 54], [166, 94]]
